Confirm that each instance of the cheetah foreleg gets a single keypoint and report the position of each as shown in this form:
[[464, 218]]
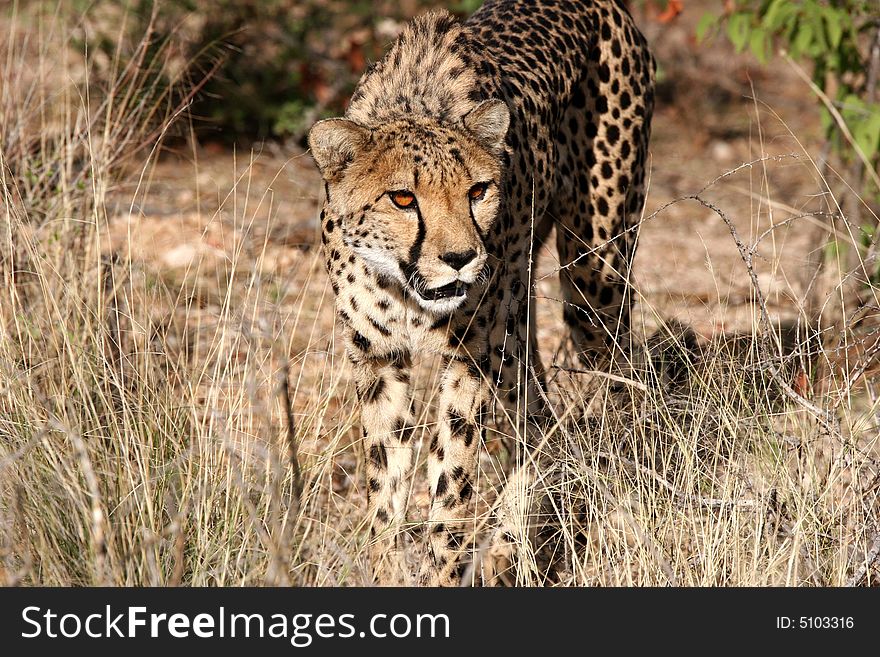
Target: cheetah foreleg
[[452, 463], [384, 394]]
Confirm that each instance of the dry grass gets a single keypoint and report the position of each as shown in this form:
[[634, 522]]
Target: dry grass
[[150, 418]]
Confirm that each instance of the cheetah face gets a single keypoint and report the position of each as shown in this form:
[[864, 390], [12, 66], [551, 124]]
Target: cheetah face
[[415, 198]]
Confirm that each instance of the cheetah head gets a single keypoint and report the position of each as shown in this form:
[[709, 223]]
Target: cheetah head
[[415, 198]]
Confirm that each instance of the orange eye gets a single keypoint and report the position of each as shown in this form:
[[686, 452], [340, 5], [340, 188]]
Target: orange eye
[[478, 191], [403, 200]]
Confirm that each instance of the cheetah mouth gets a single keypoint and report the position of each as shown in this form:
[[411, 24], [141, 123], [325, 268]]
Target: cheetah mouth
[[450, 290]]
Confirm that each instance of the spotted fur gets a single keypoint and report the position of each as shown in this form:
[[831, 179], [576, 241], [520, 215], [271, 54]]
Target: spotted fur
[[460, 151]]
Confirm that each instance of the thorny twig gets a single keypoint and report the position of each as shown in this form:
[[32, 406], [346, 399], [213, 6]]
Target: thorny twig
[[637, 225], [825, 417]]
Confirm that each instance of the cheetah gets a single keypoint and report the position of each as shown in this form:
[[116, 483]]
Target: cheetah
[[460, 150]]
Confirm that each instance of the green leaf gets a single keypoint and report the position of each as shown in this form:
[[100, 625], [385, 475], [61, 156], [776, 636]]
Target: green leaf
[[833, 27], [802, 40], [852, 108], [777, 14], [819, 45], [833, 61], [867, 134], [707, 22], [758, 44], [738, 26], [827, 121]]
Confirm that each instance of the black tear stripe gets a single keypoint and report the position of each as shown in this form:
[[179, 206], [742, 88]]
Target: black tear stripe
[[415, 251], [411, 269], [474, 222]]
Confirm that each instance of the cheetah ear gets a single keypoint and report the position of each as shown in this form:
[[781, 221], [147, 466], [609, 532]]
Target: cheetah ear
[[336, 142], [489, 121]]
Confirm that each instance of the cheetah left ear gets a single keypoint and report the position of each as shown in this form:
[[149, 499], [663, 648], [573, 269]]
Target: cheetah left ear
[[489, 121]]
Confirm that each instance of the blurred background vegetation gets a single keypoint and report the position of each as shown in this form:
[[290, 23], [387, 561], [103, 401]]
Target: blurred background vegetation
[[838, 41], [267, 69], [274, 66]]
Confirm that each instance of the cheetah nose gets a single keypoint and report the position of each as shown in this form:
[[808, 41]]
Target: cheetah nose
[[458, 260]]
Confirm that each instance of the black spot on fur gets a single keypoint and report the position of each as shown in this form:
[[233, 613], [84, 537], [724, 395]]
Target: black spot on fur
[[378, 456], [375, 390], [379, 327], [360, 341], [612, 134], [466, 491], [453, 541], [457, 423], [403, 432]]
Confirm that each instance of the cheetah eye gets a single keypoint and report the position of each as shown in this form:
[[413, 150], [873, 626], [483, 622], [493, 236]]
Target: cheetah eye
[[478, 191], [403, 199]]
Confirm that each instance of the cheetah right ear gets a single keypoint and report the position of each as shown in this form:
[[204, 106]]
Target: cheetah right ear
[[336, 142], [489, 122]]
